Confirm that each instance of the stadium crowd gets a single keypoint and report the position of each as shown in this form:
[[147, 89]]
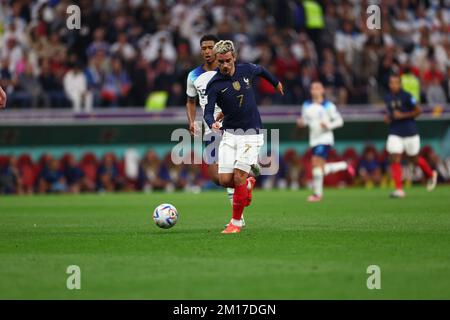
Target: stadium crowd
[[139, 52], [22, 175]]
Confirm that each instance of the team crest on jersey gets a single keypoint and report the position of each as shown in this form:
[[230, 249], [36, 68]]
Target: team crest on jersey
[[247, 82], [236, 85]]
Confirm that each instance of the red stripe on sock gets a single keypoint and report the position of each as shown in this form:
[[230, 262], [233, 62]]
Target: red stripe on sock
[[396, 172], [423, 164], [239, 200]]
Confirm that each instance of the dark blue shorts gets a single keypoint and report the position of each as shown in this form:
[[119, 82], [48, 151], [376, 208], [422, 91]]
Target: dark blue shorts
[[322, 150]]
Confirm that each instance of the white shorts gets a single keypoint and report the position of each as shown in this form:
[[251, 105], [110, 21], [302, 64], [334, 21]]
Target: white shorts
[[397, 144], [239, 151]]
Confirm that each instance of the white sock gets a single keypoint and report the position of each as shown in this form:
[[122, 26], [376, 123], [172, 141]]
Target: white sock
[[230, 192], [317, 181], [335, 167], [237, 223]]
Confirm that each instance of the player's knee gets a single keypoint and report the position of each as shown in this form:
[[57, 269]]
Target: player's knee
[[317, 172], [212, 170], [239, 177], [396, 157], [226, 180]]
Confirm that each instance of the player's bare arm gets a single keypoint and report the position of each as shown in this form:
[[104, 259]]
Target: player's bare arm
[[398, 115], [190, 110], [300, 122], [387, 118], [280, 88], [2, 98]]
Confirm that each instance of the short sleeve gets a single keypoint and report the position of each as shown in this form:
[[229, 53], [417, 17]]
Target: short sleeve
[[190, 88]]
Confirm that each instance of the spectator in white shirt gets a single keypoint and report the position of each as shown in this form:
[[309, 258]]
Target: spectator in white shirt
[[75, 86]]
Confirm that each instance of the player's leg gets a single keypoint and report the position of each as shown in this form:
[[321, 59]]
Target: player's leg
[[397, 175], [333, 167], [412, 149], [212, 145], [395, 148], [247, 150], [318, 163]]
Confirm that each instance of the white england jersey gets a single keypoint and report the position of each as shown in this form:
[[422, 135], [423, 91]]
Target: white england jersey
[[314, 114], [196, 86]]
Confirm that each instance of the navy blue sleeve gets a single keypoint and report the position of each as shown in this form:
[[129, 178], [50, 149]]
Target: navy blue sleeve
[[211, 96], [262, 72], [411, 103]]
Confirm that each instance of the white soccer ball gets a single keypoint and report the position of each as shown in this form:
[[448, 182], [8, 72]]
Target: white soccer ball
[[165, 216]]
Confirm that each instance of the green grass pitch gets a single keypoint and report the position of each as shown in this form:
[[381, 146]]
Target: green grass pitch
[[290, 249]]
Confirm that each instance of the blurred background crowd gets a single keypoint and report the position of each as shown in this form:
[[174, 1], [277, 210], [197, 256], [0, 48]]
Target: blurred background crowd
[[139, 52], [109, 173]]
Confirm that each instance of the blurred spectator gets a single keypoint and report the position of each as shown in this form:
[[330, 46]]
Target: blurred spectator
[[369, 169], [10, 178], [29, 89], [76, 180], [334, 83], [116, 86], [108, 174], [123, 49], [153, 174], [76, 88], [435, 93], [446, 83], [410, 83], [52, 88], [52, 178]]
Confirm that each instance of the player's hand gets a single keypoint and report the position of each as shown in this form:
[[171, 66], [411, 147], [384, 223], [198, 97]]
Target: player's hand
[[300, 122], [220, 116], [280, 88], [323, 125], [397, 115], [2, 98], [193, 129], [216, 126], [387, 119]]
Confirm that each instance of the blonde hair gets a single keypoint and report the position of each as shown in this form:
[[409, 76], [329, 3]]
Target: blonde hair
[[224, 46]]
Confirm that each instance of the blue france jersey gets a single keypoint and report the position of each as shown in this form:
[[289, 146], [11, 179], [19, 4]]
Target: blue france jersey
[[403, 102], [235, 96]]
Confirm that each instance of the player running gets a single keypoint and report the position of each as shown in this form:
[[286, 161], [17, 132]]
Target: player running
[[403, 135], [321, 117], [231, 88], [197, 80], [2, 98]]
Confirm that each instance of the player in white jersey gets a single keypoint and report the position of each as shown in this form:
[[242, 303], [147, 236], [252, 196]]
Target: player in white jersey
[[321, 117]]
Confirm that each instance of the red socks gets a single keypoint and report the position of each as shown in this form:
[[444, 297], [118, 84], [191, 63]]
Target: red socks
[[422, 163], [239, 200], [396, 173]]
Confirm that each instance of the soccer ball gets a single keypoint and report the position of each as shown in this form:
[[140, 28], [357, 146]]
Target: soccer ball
[[165, 216]]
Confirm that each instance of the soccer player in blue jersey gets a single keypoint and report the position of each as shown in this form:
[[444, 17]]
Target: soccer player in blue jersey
[[231, 88], [197, 80], [402, 110], [2, 98]]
